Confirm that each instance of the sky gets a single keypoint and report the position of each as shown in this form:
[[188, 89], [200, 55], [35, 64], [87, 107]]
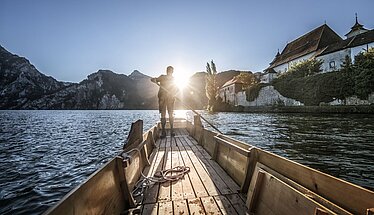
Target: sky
[[71, 39]]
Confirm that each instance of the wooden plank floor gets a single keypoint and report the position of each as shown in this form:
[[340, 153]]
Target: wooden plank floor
[[206, 189]]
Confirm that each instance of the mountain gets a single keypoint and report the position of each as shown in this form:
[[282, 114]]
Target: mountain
[[146, 89], [22, 86], [101, 90], [21, 82]]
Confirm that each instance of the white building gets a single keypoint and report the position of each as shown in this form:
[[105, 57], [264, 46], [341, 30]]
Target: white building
[[358, 39], [305, 47], [324, 44], [228, 92]]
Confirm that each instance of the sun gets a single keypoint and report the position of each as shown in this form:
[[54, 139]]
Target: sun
[[181, 79]]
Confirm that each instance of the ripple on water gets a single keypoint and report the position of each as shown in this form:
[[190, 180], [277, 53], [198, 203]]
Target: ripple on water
[[45, 154]]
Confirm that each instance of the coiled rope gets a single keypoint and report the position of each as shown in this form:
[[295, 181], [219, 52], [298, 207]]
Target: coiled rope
[[173, 174]]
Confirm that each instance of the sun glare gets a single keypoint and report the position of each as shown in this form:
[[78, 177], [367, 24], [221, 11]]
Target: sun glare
[[181, 79]]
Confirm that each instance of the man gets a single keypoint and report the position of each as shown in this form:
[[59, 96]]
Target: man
[[166, 98]]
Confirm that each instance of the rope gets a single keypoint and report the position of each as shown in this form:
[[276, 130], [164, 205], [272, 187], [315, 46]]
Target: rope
[[173, 174]]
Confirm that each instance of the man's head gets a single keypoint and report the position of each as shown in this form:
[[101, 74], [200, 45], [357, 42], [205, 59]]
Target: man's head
[[169, 70]]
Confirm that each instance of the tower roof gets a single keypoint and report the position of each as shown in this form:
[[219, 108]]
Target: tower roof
[[357, 27]]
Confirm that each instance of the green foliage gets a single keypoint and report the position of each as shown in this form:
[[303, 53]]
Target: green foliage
[[310, 90], [211, 87], [247, 78], [305, 68], [353, 79], [347, 79], [364, 74]]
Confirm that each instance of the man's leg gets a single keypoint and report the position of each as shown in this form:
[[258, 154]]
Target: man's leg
[[162, 109], [170, 107]]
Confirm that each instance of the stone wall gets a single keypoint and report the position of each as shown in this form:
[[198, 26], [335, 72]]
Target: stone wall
[[353, 100], [268, 96]]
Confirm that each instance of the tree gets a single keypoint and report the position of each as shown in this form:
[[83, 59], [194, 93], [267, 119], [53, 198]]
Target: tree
[[305, 68], [347, 79], [364, 74], [211, 87], [247, 78]]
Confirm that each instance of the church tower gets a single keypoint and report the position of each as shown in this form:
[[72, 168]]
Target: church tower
[[356, 29]]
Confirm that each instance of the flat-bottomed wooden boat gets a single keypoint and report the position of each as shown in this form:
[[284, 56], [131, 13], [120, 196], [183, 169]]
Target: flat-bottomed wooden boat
[[226, 177]]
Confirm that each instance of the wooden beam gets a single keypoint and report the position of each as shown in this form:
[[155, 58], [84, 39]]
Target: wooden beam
[[256, 192], [251, 165], [135, 135], [370, 211], [242, 151], [307, 192], [276, 197], [349, 196], [320, 211]]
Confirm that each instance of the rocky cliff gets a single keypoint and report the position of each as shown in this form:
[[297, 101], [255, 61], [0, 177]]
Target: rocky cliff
[[21, 82], [22, 86]]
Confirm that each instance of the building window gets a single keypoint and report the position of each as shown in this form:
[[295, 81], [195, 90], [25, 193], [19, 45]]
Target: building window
[[332, 64], [285, 69]]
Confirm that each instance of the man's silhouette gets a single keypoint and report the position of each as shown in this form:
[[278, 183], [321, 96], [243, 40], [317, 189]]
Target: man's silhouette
[[166, 98]]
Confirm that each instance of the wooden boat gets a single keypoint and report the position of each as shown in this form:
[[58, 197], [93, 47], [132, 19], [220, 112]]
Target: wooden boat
[[226, 177]]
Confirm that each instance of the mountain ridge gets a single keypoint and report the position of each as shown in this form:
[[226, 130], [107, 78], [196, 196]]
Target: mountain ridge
[[22, 86]]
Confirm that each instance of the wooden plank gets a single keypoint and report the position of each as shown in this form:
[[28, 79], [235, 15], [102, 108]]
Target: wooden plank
[[281, 198], [238, 149], [180, 207], [213, 182], [164, 193], [172, 142], [225, 177], [135, 135], [165, 207], [210, 205], [305, 191], [101, 193], [168, 144], [182, 189], [196, 182], [205, 178], [225, 205], [237, 203], [217, 168], [256, 191], [184, 131], [370, 211], [150, 209], [176, 186], [195, 206], [151, 193], [209, 143], [347, 195]]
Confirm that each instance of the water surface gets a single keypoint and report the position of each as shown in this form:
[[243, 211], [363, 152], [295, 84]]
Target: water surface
[[45, 154]]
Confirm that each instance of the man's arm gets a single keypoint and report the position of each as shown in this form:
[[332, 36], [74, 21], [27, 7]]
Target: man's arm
[[156, 80]]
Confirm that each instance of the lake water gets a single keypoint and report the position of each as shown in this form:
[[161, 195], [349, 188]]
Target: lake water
[[45, 154]]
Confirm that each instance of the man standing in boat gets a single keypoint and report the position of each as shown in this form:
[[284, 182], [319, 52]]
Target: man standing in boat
[[166, 98]]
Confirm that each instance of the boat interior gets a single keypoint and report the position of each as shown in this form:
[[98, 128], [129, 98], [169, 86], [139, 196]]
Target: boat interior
[[225, 176]]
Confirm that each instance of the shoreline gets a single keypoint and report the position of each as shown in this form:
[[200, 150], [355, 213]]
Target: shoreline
[[359, 109]]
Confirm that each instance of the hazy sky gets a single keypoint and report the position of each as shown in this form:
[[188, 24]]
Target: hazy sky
[[71, 39]]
